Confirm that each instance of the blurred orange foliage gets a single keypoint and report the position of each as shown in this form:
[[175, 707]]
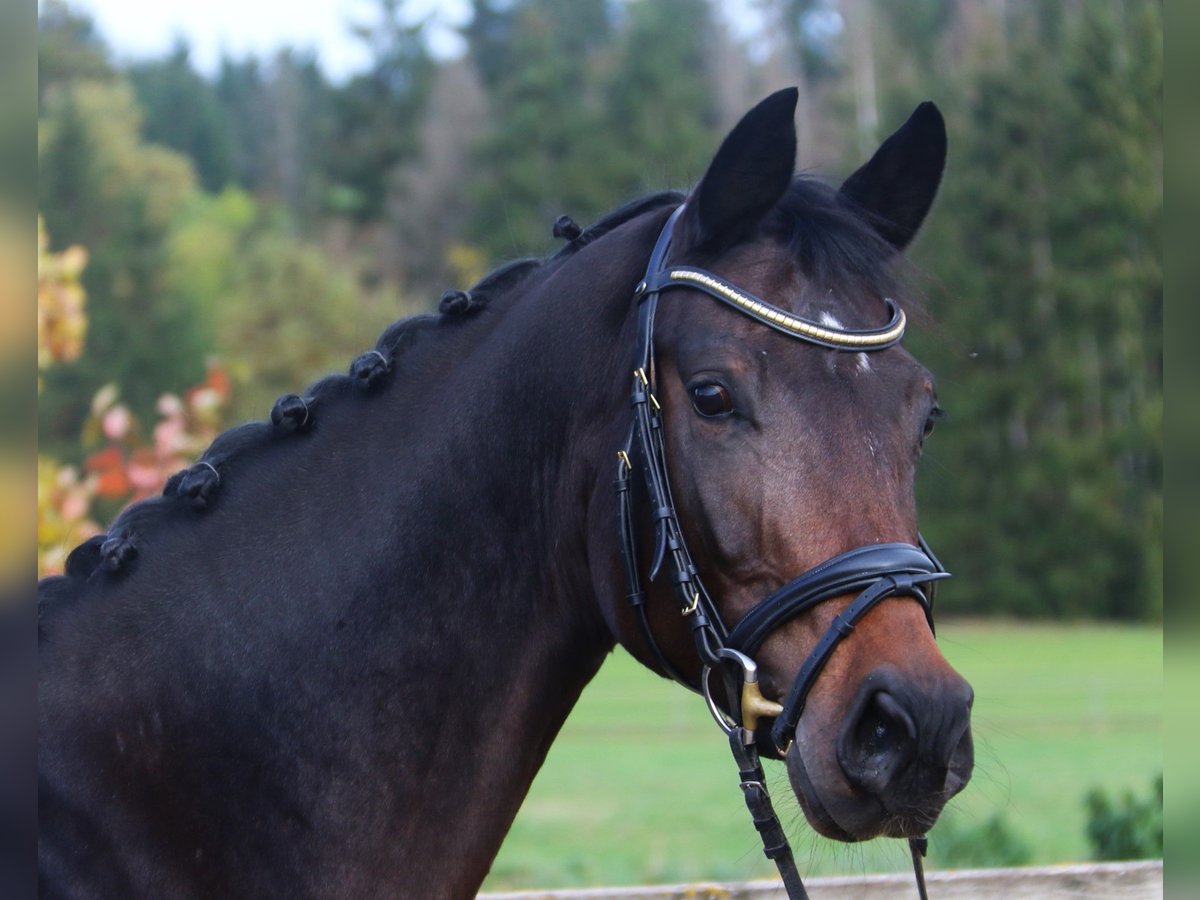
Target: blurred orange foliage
[[61, 320], [129, 464]]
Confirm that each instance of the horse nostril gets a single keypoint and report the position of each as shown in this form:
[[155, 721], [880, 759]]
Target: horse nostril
[[961, 764], [878, 744]]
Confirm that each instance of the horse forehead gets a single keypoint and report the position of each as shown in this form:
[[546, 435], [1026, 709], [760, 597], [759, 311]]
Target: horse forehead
[[775, 275], [695, 325], [880, 385], [764, 268]]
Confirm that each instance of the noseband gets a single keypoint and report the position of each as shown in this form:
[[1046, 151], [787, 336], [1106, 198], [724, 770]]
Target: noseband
[[875, 571]]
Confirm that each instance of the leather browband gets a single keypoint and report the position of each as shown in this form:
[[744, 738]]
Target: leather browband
[[781, 319]]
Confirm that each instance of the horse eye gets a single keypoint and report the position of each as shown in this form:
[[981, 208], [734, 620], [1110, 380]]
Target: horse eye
[[711, 400], [935, 415]]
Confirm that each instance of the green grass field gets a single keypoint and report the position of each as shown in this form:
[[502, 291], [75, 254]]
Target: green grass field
[[639, 787]]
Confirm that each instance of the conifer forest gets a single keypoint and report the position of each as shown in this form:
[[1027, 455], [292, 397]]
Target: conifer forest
[[213, 239]]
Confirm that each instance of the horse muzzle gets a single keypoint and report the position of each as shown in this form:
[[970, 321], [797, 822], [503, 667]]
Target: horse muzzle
[[885, 760], [902, 750]]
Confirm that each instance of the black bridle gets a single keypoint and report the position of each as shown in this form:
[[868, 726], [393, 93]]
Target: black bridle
[[876, 571]]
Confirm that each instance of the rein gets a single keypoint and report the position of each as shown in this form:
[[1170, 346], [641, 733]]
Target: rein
[[876, 571]]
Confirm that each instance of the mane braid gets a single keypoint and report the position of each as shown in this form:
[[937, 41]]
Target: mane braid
[[615, 219], [294, 415]]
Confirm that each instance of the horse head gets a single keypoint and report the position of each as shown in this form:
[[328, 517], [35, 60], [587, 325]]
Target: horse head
[[791, 425]]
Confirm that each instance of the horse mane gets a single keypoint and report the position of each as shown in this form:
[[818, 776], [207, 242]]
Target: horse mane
[[578, 238], [197, 485], [830, 241]]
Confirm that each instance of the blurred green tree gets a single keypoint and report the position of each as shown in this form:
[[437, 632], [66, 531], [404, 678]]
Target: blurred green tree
[[661, 117], [1047, 484], [241, 91], [376, 114], [535, 162], [587, 112], [102, 187], [284, 313], [180, 110], [68, 48]]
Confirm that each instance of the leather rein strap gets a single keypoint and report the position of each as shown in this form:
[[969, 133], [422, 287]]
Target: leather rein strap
[[876, 571]]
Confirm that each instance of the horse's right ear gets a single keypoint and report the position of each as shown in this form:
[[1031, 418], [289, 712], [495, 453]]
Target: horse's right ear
[[896, 187], [750, 172]]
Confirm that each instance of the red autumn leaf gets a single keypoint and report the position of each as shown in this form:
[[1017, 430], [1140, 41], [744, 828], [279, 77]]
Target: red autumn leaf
[[102, 460], [109, 467], [113, 484], [218, 381]]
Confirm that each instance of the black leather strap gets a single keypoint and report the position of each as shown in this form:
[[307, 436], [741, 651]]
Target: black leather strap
[[917, 848], [780, 319], [852, 571], [636, 596], [644, 448], [889, 585], [754, 791]]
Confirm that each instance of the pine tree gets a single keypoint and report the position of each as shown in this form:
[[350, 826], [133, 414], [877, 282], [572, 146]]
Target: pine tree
[[661, 113], [69, 49], [1046, 490], [536, 161], [181, 111], [241, 92], [376, 115]]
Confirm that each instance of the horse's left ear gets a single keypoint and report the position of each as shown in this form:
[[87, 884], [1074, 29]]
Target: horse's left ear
[[895, 189], [750, 172]]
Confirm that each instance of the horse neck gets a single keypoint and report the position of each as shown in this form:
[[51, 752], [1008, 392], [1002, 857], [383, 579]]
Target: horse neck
[[517, 631], [401, 619]]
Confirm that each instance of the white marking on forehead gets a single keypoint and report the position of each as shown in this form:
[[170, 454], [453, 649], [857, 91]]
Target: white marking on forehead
[[831, 321]]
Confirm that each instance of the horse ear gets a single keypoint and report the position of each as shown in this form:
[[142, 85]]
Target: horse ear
[[750, 172], [895, 189]]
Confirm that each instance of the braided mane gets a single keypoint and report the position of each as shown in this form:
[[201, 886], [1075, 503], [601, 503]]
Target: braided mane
[[295, 414]]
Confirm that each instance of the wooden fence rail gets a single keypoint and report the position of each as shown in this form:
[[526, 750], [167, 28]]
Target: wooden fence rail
[[1096, 881]]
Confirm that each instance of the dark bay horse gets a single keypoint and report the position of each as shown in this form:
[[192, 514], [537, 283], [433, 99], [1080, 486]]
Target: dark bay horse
[[330, 659]]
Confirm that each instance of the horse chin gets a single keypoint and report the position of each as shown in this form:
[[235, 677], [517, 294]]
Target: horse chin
[[815, 809], [850, 818], [810, 801]]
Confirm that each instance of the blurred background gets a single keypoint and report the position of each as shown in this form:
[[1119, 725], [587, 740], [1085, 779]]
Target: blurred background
[[234, 199]]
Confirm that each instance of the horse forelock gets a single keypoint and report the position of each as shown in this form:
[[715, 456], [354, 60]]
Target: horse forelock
[[837, 250]]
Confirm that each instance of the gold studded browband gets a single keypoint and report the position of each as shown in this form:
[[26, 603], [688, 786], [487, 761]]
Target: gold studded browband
[[780, 319]]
